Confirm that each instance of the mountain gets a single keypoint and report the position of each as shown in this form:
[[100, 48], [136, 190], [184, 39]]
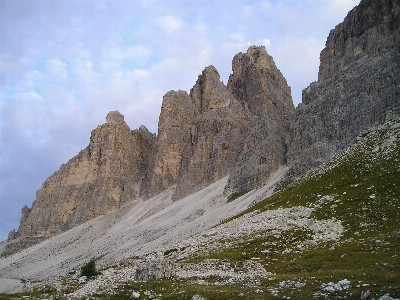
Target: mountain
[[103, 177], [231, 184], [203, 136], [332, 234]]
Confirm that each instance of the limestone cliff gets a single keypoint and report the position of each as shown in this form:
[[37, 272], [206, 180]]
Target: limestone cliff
[[241, 129], [101, 178], [264, 93], [200, 137], [217, 134], [359, 80], [173, 138]]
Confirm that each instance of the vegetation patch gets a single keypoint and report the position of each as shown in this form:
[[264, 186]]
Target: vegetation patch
[[236, 196], [89, 269], [169, 251]]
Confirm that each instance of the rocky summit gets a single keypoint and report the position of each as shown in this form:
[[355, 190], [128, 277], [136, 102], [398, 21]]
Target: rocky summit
[[241, 129], [101, 178], [218, 143]]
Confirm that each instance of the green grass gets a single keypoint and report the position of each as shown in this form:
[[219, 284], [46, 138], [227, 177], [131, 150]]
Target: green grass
[[236, 196]]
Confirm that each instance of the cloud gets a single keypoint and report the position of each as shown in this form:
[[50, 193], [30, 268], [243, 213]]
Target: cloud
[[170, 23]]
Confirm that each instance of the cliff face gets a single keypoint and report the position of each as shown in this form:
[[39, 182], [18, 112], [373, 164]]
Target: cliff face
[[101, 178], [241, 129], [173, 138], [217, 131], [263, 92], [359, 80]]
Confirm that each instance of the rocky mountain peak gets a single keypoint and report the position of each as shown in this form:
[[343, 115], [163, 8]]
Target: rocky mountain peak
[[103, 177], [209, 92], [256, 56], [257, 83], [263, 92], [115, 117], [355, 36]]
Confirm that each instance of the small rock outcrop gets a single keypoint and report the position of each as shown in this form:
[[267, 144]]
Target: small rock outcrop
[[358, 81], [101, 178]]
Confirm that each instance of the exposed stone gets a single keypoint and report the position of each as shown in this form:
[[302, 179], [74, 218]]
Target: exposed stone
[[217, 134], [358, 82], [263, 92], [154, 269], [174, 127], [101, 178], [242, 129], [197, 297]]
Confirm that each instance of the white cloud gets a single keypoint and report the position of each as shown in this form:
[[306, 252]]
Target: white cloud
[[28, 97], [170, 23], [265, 5], [57, 69]]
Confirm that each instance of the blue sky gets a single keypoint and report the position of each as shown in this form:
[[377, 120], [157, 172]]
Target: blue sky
[[65, 64]]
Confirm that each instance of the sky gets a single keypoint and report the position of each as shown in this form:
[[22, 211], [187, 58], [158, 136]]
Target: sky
[[64, 64]]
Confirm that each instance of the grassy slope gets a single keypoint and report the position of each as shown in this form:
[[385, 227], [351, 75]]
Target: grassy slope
[[364, 181]]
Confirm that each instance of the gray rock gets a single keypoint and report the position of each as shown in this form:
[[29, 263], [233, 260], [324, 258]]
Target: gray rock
[[365, 295], [263, 92], [358, 83], [101, 178], [387, 297], [154, 269]]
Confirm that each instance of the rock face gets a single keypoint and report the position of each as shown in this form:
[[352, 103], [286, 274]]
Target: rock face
[[359, 80], [216, 134], [263, 92], [101, 178], [200, 136], [242, 128], [173, 138]]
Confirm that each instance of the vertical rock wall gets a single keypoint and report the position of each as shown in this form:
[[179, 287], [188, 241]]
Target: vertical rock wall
[[217, 131], [359, 80], [101, 178], [177, 113], [263, 92]]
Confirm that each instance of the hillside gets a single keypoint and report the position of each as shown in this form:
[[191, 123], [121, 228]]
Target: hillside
[[332, 234]]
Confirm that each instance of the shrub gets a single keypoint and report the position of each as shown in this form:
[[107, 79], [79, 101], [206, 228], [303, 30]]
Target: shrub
[[169, 251], [89, 269]]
